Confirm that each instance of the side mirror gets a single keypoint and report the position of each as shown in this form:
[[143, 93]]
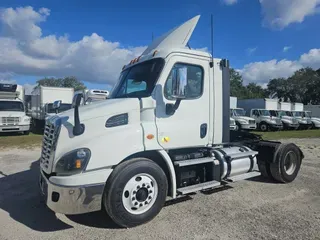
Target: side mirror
[[179, 88], [56, 105], [77, 100]]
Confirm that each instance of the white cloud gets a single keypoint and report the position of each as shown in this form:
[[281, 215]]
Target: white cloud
[[278, 14], [251, 50], [262, 72], [25, 51], [229, 2], [286, 48]]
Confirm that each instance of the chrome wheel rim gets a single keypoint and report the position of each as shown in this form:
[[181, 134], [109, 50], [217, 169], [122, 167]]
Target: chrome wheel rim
[[140, 193], [290, 162]]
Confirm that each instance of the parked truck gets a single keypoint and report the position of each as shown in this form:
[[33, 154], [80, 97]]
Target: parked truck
[[13, 116], [163, 133], [42, 99], [239, 115], [315, 121], [259, 109], [304, 118], [289, 122]]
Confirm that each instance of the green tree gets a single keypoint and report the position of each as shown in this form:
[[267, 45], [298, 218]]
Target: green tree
[[255, 91], [236, 85], [69, 82]]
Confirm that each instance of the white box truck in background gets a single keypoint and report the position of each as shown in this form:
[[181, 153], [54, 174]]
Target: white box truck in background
[[284, 113], [259, 109], [243, 122], [13, 116], [304, 118], [42, 99], [314, 112], [92, 95], [163, 133]]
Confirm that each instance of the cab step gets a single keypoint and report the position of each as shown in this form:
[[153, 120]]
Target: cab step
[[198, 187], [189, 162], [243, 176]]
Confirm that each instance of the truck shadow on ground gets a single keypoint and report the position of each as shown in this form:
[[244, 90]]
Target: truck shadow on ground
[[20, 198]]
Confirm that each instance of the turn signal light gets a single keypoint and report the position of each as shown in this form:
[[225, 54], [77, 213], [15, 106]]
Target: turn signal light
[[78, 164]]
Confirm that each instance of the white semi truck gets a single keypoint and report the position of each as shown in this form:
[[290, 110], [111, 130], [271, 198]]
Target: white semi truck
[[42, 98], [239, 115], [259, 109], [163, 133], [13, 116]]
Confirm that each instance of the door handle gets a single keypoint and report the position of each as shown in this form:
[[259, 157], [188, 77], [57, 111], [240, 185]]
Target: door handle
[[203, 130]]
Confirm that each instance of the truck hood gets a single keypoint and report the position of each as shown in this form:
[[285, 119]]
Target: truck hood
[[243, 118], [11, 114], [103, 108]]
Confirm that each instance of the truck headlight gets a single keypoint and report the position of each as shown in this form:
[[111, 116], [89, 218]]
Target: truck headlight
[[73, 162], [27, 119], [243, 122]]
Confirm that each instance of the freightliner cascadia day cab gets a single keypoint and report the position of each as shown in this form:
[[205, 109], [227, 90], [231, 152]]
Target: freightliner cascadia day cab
[[163, 133], [259, 109], [13, 116]]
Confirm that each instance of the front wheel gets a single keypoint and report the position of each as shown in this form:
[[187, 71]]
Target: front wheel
[[263, 127], [135, 192], [26, 132]]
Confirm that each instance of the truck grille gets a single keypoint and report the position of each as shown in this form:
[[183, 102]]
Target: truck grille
[[49, 142], [252, 121], [10, 120]]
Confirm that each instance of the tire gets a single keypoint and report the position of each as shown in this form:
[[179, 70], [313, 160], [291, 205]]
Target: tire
[[121, 197], [264, 127], [238, 126], [286, 164], [26, 132], [264, 168]]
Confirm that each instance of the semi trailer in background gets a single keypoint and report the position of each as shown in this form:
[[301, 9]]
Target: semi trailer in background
[[259, 109], [243, 122], [42, 99], [163, 133], [13, 116]]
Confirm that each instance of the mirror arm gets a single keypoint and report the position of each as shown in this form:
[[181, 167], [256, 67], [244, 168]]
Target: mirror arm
[[171, 108], [78, 128]]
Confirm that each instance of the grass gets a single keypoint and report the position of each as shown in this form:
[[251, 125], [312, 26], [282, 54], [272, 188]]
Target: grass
[[290, 134], [34, 140], [20, 141]]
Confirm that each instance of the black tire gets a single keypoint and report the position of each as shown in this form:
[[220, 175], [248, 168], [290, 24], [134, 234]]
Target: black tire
[[313, 126], [264, 168], [238, 126], [278, 167], [114, 191], [264, 127], [26, 132]]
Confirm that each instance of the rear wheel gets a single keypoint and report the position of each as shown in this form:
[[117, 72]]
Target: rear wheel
[[135, 192], [287, 163]]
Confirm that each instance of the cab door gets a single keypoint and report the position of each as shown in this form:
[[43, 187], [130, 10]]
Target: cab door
[[189, 125]]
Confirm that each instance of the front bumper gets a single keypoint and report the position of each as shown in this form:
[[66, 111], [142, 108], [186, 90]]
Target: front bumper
[[14, 128], [276, 126], [292, 125], [249, 126], [71, 199], [316, 125], [233, 127]]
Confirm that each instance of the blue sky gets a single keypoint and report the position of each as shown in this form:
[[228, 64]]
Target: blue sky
[[262, 39]]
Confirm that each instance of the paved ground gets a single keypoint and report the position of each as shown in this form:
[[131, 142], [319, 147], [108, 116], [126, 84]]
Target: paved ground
[[251, 209]]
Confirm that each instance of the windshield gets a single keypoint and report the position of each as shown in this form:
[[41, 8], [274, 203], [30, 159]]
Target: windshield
[[139, 80], [274, 113], [11, 106], [298, 114], [307, 114], [238, 112], [265, 112], [63, 107]]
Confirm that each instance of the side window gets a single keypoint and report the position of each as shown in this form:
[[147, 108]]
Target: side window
[[194, 81], [255, 113]]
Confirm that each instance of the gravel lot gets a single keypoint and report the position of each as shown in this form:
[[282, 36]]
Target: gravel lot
[[251, 209]]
